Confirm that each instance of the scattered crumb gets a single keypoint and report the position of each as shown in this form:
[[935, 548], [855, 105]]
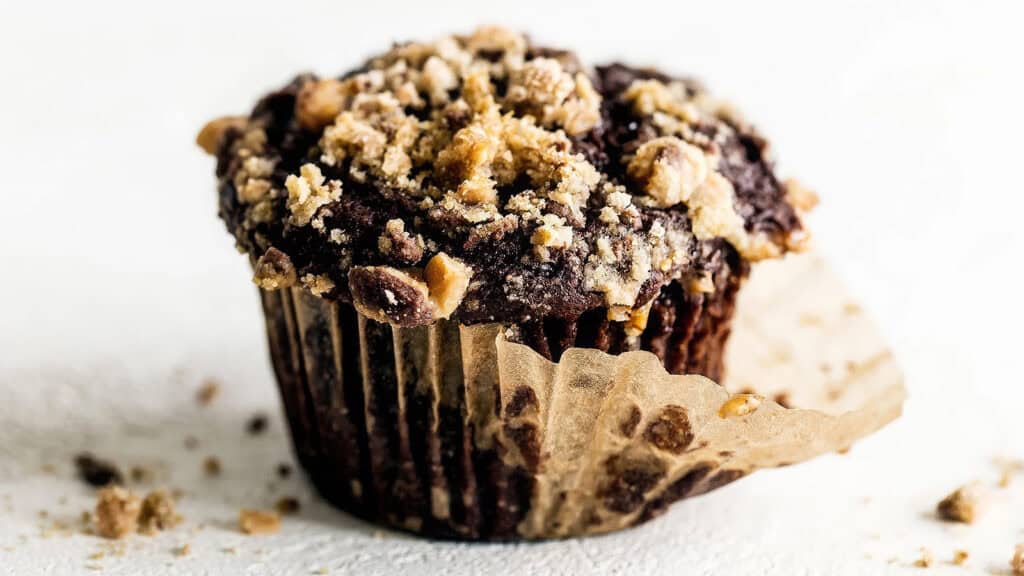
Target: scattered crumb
[[379, 535], [191, 442], [782, 399], [960, 557], [95, 472], [208, 392], [117, 512], [284, 470], [322, 571], [211, 466], [258, 521], [926, 559], [230, 550], [1008, 468], [177, 494], [851, 308], [257, 424], [183, 550], [287, 505], [141, 475], [157, 513], [48, 469], [1017, 563], [962, 505], [97, 555]]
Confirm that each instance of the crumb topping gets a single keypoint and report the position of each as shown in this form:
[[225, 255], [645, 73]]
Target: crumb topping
[[555, 187]]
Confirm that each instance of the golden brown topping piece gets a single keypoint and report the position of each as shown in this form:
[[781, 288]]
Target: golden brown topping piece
[[212, 134], [157, 513], [447, 282], [962, 505], [1017, 562], [669, 169], [258, 521], [274, 270], [319, 102], [117, 512]]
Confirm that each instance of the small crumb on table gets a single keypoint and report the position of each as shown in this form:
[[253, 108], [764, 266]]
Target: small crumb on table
[[211, 466], [117, 512], [208, 392], [961, 505], [258, 521], [257, 424], [1017, 563], [96, 472], [960, 557], [926, 559], [287, 506]]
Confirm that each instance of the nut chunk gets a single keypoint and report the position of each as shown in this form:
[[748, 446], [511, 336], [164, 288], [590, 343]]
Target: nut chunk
[[258, 521], [274, 270], [117, 512], [447, 280], [211, 135], [962, 505]]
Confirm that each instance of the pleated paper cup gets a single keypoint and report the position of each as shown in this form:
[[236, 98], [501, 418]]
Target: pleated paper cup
[[460, 432]]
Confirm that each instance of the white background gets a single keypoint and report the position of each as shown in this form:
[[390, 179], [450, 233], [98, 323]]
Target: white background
[[120, 290]]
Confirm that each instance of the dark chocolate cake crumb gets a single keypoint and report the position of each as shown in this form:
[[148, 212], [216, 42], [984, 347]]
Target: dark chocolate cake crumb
[[287, 506], [284, 470], [212, 466], [96, 472], [257, 424]]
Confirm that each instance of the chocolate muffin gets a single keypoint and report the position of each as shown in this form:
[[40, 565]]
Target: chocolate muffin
[[482, 181]]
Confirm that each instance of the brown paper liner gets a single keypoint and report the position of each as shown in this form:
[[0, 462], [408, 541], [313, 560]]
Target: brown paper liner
[[456, 432]]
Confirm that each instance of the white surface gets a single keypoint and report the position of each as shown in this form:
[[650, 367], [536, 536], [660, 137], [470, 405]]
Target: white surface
[[121, 292]]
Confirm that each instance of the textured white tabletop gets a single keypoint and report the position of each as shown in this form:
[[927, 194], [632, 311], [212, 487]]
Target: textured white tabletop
[[121, 292]]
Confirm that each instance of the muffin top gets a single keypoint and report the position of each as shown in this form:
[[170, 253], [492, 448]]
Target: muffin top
[[486, 179]]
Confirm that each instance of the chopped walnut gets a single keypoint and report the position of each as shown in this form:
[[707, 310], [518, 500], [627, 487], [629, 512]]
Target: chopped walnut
[[447, 282], [117, 512], [319, 102], [1017, 562], [308, 192], [157, 513], [258, 521], [212, 134], [962, 505], [274, 270]]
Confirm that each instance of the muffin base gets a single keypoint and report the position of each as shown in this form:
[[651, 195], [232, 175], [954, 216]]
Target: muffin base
[[385, 420]]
